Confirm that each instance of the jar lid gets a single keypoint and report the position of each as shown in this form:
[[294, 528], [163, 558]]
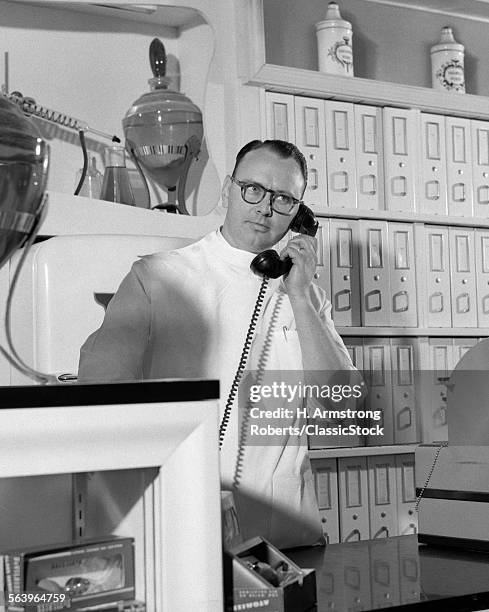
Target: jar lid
[[447, 42], [333, 18]]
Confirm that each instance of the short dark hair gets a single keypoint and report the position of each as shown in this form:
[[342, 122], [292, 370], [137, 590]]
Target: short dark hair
[[281, 148]]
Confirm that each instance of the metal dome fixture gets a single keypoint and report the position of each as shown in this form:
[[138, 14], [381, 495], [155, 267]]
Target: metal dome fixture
[[23, 175], [24, 161]]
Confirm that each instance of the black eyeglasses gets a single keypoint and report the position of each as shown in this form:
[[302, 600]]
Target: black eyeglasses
[[253, 193]]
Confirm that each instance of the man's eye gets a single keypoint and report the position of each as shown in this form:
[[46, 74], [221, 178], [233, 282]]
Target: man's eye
[[252, 189], [282, 198]]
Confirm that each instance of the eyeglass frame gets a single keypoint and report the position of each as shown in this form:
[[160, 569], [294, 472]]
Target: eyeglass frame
[[243, 184]]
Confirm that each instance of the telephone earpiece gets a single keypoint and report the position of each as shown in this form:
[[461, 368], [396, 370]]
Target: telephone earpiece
[[268, 263], [304, 222]]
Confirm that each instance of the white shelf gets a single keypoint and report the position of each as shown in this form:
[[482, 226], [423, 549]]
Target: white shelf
[[68, 214], [361, 451], [464, 332], [155, 13], [315, 84]]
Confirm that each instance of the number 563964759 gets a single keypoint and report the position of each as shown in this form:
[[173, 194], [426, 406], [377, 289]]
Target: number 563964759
[[27, 597]]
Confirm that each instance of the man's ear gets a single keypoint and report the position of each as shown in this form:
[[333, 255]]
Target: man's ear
[[226, 186]]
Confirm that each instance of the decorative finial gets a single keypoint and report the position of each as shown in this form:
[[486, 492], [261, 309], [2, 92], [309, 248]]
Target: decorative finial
[[157, 58]]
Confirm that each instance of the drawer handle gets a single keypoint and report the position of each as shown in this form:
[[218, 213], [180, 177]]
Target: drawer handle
[[338, 300], [370, 304], [401, 416], [397, 298], [366, 181], [433, 190], [463, 303], [436, 302], [458, 191]]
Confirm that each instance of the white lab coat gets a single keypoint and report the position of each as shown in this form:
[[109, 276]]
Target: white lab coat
[[185, 313]]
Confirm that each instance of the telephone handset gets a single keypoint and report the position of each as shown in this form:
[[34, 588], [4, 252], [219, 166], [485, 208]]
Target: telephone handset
[[268, 263]]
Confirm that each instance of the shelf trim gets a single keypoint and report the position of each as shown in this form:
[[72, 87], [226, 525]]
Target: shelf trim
[[299, 81], [361, 451], [435, 10], [450, 332], [392, 215]]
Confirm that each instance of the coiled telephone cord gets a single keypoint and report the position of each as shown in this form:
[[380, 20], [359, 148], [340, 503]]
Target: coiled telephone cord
[[430, 473], [260, 373], [243, 359]]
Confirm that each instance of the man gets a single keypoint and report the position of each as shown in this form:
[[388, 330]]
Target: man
[[186, 313]]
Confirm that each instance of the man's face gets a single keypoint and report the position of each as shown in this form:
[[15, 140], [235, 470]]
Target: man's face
[[255, 227]]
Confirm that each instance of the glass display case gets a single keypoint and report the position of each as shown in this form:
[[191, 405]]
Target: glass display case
[[80, 461]]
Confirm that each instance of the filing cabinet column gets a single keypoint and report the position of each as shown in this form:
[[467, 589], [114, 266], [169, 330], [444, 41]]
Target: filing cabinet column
[[482, 273], [435, 367], [374, 273], [345, 272], [463, 278], [403, 298], [382, 496], [434, 276], [400, 158], [406, 495], [326, 481], [459, 167], [377, 362], [404, 398], [340, 153], [369, 157], [353, 495], [480, 167], [311, 139], [280, 116], [432, 193]]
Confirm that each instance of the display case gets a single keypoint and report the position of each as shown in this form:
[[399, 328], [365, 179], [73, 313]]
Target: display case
[[137, 460]]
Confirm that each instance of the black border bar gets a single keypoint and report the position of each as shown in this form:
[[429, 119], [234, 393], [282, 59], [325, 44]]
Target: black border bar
[[467, 544], [70, 394], [473, 496]]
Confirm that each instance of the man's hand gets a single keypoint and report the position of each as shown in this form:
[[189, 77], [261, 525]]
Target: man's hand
[[302, 250]]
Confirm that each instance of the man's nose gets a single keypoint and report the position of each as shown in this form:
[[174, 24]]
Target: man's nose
[[265, 206]]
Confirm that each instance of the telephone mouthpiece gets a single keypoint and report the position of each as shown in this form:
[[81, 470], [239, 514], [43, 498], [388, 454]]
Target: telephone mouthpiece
[[268, 263]]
